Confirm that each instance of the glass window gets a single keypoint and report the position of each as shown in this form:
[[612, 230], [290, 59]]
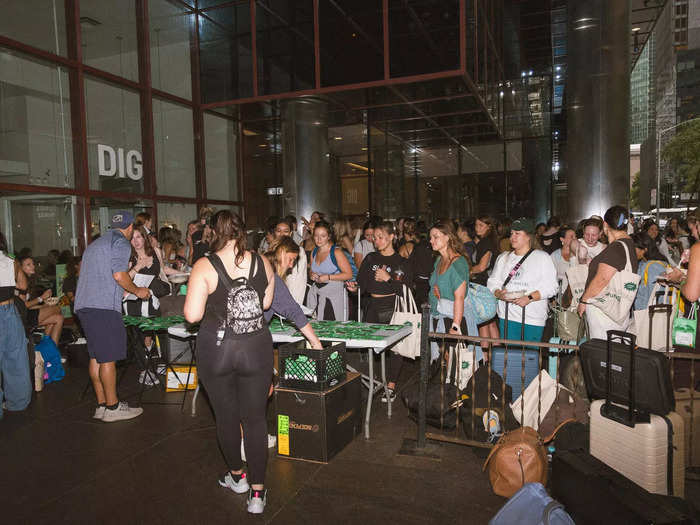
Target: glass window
[[225, 58], [174, 149], [285, 39], [115, 159], [35, 123], [39, 222], [170, 27], [101, 211], [39, 23], [220, 139], [176, 215], [109, 36]]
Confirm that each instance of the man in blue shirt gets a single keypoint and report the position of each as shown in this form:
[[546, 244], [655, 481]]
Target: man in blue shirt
[[103, 279]]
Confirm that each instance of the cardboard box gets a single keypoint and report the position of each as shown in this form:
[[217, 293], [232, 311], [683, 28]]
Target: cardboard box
[[176, 383], [315, 426]]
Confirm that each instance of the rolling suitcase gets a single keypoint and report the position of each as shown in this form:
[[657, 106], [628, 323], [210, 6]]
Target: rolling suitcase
[[595, 494], [690, 412], [646, 448], [517, 366]]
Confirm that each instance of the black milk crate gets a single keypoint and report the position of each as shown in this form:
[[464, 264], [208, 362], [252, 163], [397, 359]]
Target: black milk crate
[[307, 369]]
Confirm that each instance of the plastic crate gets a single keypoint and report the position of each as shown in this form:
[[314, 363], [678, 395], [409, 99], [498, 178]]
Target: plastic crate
[[307, 369]]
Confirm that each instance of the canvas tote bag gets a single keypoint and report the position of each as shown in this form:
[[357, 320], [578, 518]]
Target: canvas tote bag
[[405, 310], [615, 301]]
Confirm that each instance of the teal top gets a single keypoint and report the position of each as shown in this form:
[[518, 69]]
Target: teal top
[[448, 282]]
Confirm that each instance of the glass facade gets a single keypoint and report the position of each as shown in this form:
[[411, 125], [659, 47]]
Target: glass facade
[[100, 111]]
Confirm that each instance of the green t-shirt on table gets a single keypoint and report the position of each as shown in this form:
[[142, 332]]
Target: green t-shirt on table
[[448, 282]]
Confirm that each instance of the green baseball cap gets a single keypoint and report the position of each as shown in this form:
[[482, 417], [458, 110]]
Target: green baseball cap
[[523, 224]]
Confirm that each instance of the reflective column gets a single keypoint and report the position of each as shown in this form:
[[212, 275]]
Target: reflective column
[[598, 84], [305, 162]]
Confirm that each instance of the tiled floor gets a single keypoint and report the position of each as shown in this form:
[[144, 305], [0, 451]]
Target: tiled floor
[[57, 465]]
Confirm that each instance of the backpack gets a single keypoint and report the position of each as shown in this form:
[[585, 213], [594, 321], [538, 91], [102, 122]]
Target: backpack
[[244, 313], [349, 257]]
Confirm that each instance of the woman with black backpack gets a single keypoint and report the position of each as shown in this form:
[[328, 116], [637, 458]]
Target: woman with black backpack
[[228, 291]]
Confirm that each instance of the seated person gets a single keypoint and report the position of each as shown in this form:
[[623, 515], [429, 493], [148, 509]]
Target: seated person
[[38, 314], [70, 283]]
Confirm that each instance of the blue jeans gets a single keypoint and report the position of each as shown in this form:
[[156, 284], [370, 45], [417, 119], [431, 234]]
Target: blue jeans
[[16, 386]]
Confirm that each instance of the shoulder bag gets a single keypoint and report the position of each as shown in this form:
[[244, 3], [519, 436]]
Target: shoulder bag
[[616, 300]]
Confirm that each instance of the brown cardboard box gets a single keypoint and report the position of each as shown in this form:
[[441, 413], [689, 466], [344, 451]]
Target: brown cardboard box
[[315, 426]]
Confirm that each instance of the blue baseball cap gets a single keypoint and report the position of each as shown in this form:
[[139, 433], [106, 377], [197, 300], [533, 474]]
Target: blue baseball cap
[[122, 220]]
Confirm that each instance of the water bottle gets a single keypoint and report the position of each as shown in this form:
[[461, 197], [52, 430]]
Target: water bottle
[[492, 423]]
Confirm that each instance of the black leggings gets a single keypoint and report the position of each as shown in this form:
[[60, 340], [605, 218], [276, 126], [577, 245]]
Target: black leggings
[[380, 310], [237, 376]]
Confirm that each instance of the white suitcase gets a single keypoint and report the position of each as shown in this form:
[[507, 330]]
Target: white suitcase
[[642, 453]]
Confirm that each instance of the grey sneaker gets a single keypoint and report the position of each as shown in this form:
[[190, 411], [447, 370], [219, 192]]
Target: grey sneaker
[[389, 396], [122, 412], [239, 487], [99, 412], [257, 499]]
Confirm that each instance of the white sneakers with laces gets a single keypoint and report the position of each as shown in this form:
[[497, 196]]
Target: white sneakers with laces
[[121, 413]]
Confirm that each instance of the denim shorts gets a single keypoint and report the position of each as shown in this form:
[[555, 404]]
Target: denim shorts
[[105, 334]]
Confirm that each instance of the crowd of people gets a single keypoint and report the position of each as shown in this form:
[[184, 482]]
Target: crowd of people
[[338, 269]]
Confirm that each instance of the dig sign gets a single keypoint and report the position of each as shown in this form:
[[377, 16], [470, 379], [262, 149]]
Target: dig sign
[[112, 163]]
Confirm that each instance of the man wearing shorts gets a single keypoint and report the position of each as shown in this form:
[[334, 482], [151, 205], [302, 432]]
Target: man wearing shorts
[[103, 278]]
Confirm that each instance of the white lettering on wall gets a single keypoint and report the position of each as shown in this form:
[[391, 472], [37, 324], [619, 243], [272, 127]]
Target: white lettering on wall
[[111, 162]]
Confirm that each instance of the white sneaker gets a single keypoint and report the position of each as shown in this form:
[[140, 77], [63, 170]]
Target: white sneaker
[[257, 499], [271, 441], [239, 487], [122, 412], [243, 451], [99, 412]]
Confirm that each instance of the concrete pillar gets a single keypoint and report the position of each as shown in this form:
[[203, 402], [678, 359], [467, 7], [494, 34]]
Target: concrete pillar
[[598, 84], [305, 159]]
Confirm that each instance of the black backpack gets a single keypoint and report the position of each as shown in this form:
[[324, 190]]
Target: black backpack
[[244, 313]]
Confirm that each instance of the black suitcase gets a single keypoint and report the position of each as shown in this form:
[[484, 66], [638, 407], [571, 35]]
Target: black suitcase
[[595, 494], [652, 376]]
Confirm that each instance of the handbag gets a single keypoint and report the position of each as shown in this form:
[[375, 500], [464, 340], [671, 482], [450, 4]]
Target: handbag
[[483, 303], [519, 457], [534, 403], [568, 323], [406, 311], [159, 287], [615, 301], [685, 330]]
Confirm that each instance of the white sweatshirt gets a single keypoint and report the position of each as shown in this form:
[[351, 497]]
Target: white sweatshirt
[[536, 274], [296, 280]]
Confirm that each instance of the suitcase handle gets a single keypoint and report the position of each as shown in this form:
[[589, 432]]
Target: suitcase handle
[[669, 311], [609, 410]]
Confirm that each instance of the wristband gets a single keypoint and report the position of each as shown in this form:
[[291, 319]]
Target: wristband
[[456, 327], [40, 300], [584, 302]]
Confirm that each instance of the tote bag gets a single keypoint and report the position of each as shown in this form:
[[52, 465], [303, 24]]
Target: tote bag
[[406, 311], [685, 330], [465, 364], [577, 276], [615, 301]]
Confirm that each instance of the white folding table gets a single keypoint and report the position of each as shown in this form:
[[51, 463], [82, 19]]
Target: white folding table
[[377, 346]]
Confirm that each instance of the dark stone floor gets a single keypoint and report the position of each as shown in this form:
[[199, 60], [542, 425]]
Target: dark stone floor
[[57, 465]]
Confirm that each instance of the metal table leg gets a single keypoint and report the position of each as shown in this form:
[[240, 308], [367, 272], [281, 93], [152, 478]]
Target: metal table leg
[[384, 384], [370, 395]]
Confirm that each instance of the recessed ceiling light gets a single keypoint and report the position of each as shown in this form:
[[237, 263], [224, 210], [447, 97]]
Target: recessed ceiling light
[[337, 138]]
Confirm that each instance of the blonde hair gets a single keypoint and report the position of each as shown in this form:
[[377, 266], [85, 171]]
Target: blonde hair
[[282, 246]]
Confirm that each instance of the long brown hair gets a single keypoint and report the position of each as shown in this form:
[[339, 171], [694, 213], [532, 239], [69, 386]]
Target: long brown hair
[[493, 233], [447, 227], [229, 226], [282, 246]]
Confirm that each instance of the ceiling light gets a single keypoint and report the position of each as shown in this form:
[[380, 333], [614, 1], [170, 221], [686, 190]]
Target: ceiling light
[[262, 145], [364, 149], [635, 29], [249, 133], [337, 138]]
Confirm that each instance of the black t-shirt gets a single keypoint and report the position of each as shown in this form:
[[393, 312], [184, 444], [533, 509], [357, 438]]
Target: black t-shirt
[[614, 255], [400, 269], [70, 284], [483, 247], [422, 260]]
